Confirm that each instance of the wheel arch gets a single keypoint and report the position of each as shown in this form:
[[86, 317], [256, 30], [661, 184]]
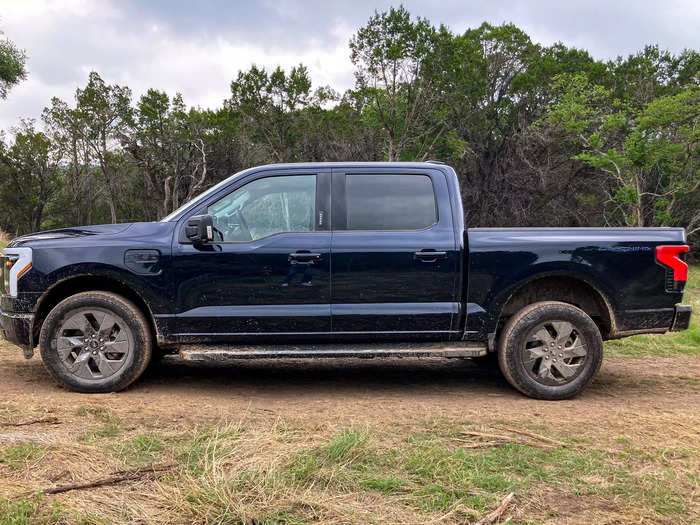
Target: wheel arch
[[85, 283], [564, 287]]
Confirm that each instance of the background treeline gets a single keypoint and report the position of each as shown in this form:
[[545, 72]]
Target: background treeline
[[539, 135]]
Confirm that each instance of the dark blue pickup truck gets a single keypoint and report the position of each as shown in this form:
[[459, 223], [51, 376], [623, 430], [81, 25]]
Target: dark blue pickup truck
[[337, 260]]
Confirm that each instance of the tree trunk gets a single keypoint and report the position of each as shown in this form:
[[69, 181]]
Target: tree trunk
[[39, 215], [112, 209]]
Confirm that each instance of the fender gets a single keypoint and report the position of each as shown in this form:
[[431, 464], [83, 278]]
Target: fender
[[92, 276], [483, 318]]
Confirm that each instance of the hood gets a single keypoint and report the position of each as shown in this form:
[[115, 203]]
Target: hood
[[66, 233]]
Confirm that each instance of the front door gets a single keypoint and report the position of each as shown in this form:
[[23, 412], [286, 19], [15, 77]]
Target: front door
[[394, 257], [267, 273]]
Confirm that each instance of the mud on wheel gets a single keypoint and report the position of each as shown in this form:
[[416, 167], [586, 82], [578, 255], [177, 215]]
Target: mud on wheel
[[95, 342], [550, 350]]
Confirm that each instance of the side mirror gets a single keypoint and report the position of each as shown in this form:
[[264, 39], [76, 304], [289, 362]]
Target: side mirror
[[200, 229]]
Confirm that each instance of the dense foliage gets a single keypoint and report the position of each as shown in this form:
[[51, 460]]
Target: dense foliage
[[539, 135]]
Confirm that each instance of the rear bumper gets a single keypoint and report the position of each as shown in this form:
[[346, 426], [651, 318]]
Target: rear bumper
[[681, 317], [16, 328]]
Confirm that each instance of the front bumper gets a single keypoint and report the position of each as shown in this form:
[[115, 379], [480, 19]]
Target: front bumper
[[17, 328], [681, 317]]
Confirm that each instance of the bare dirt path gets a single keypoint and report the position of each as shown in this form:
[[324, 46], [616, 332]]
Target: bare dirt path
[[363, 390], [649, 400]]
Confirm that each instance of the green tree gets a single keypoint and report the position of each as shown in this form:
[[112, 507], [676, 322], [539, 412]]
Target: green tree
[[12, 66], [81, 192], [105, 114], [168, 145], [271, 104], [651, 73], [650, 154], [500, 87], [390, 54], [30, 176]]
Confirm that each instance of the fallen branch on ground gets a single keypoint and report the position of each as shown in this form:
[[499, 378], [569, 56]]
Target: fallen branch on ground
[[486, 435], [480, 444], [508, 439], [47, 420], [117, 477], [491, 517], [532, 435]]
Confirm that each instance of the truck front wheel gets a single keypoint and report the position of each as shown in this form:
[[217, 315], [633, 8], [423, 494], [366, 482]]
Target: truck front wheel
[[95, 342], [550, 350]]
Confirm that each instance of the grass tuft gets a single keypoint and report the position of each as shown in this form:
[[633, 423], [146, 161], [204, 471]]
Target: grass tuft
[[109, 427], [139, 450], [324, 463], [207, 447], [30, 511], [344, 446], [386, 485], [17, 456]]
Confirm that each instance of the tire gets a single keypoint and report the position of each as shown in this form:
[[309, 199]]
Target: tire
[[95, 342], [550, 350]]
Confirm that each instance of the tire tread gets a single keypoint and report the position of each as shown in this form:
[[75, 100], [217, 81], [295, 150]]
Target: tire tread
[[109, 300], [519, 322]]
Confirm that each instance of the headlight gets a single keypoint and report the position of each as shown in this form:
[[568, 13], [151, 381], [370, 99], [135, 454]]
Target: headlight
[[16, 262]]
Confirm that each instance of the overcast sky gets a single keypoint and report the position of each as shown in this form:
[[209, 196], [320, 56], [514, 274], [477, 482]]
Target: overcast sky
[[197, 47]]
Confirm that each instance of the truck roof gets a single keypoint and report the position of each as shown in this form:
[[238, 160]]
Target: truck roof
[[376, 164]]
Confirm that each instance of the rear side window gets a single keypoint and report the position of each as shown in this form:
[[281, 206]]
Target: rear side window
[[389, 202]]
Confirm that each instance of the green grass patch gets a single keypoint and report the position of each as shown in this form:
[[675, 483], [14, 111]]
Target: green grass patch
[[672, 343], [207, 447], [216, 496], [344, 446], [385, 485], [432, 473], [328, 461], [30, 511], [109, 423], [142, 449], [17, 456]]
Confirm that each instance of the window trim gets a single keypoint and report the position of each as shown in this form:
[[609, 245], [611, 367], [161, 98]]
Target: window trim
[[344, 175], [321, 202]]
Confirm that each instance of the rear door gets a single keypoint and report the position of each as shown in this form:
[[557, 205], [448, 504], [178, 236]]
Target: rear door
[[394, 257]]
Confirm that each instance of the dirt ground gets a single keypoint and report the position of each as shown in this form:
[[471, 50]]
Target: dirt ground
[[351, 391], [646, 400]]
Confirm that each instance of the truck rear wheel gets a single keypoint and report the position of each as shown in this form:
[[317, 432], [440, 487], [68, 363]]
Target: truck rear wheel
[[95, 342], [550, 350]]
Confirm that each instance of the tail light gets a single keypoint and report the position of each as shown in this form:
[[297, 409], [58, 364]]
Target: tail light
[[670, 257]]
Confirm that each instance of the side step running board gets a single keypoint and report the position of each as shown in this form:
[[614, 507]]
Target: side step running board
[[214, 352]]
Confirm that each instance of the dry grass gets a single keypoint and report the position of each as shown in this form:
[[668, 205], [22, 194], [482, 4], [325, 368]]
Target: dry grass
[[300, 470]]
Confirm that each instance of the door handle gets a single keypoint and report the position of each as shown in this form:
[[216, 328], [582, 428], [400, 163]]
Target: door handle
[[429, 256], [304, 256]]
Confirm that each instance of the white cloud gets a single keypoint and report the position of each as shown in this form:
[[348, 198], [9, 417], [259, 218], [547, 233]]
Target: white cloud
[[79, 39], [197, 48]]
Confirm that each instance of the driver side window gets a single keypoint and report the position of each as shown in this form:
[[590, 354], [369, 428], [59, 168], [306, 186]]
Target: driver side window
[[264, 207]]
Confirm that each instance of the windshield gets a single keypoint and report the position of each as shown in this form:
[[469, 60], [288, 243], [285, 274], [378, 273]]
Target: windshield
[[201, 197]]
